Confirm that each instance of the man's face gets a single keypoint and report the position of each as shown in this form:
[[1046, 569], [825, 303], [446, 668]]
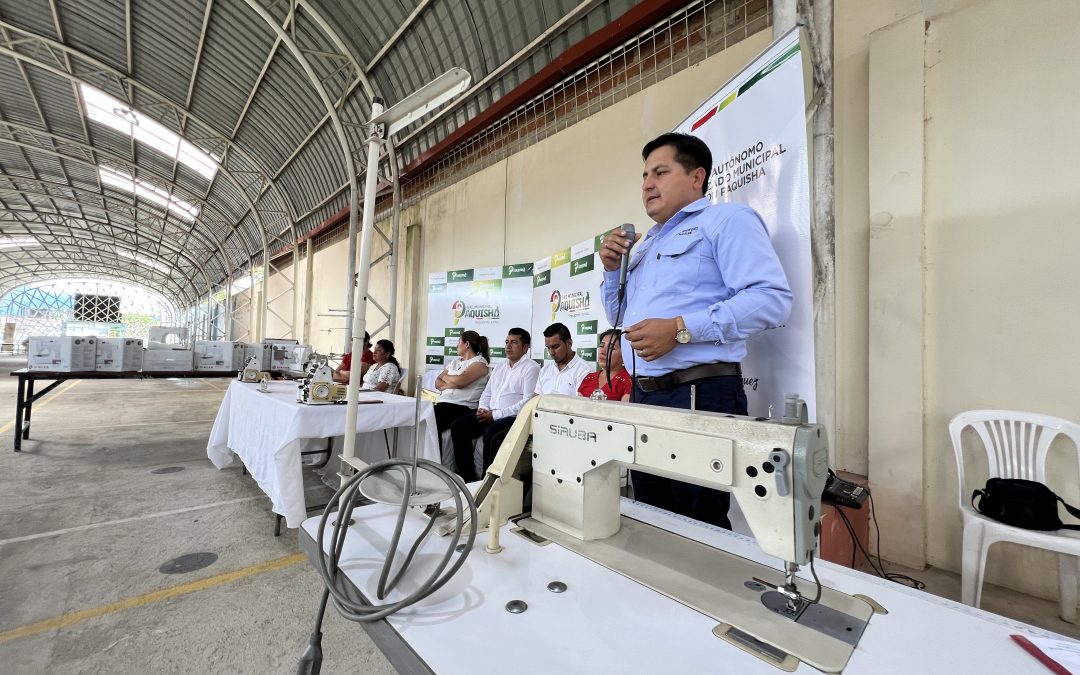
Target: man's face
[[560, 351], [666, 186], [514, 348]]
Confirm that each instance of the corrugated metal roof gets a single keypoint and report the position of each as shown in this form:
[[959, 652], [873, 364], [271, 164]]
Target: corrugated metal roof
[[216, 73]]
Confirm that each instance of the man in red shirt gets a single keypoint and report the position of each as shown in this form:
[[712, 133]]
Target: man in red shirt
[[368, 358]]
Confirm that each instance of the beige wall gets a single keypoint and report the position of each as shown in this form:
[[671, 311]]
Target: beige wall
[[982, 309], [997, 240]]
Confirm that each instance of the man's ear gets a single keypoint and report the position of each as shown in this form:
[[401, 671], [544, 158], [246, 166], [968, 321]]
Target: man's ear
[[704, 178]]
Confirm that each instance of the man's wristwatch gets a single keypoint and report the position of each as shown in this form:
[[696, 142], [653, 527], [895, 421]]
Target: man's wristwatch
[[682, 336]]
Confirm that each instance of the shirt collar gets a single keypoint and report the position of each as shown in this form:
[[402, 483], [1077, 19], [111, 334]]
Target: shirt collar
[[692, 207]]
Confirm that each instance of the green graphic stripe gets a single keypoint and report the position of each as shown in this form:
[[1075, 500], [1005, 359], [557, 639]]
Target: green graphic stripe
[[779, 61], [776, 63]]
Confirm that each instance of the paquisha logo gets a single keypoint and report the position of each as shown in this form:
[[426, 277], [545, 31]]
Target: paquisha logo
[[480, 312], [573, 303]]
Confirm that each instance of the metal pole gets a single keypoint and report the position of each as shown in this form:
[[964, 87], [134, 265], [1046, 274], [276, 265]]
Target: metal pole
[[395, 220], [309, 280], [359, 314]]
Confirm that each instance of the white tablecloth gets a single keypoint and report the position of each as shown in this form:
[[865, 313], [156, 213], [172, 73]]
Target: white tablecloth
[[268, 432]]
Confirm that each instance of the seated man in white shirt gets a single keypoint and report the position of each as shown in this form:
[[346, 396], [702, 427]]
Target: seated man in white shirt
[[564, 373], [561, 375], [511, 384]]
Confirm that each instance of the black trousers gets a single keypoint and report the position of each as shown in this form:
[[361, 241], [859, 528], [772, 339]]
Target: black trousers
[[448, 413], [717, 394], [467, 429]]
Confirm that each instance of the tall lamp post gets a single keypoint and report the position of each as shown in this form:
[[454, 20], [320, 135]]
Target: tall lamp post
[[383, 124]]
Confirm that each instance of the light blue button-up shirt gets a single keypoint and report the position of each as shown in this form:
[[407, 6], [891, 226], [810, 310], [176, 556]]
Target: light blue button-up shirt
[[714, 265]]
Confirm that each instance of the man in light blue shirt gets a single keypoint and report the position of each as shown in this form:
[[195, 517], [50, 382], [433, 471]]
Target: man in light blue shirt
[[703, 280]]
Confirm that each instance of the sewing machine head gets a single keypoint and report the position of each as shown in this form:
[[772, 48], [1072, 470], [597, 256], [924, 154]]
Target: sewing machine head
[[775, 469], [317, 385]]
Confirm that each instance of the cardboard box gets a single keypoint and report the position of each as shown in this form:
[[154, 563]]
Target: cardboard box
[[168, 337], [283, 354], [61, 353], [119, 355], [261, 350], [301, 354], [218, 355], [170, 360]]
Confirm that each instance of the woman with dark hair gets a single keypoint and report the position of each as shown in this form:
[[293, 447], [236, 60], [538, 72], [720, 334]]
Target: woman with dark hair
[[596, 385], [462, 381], [386, 371]]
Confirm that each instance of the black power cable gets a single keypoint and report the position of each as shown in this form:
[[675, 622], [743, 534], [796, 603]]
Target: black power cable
[[877, 566]]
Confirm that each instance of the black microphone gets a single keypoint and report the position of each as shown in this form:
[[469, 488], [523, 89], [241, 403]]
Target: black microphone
[[628, 228]]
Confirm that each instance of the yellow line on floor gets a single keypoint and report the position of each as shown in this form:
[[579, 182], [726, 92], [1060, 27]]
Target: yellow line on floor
[[70, 618], [44, 403], [134, 424]]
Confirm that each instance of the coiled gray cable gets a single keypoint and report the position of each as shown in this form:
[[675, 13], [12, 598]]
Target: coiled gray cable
[[346, 602]]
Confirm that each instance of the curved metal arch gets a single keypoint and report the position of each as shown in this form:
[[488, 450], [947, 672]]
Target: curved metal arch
[[27, 265], [343, 141], [230, 145], [104, 237], [166, 181], [96, 66], [6, 288], [161, 242], [94, 152], [23, 273], [155, 295], [198, 235]]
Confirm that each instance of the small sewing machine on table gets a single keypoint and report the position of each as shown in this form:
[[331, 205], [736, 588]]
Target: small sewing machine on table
[[776, 470]]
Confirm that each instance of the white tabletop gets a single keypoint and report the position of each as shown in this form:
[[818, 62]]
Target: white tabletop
[[267, 430], [605, 622]]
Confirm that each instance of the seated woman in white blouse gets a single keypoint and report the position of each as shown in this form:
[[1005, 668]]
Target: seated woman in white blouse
[[462, 381], [385, 373]]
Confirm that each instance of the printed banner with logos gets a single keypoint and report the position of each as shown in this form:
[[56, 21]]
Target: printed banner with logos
[[755, 126], [566, 289], [488, 300]]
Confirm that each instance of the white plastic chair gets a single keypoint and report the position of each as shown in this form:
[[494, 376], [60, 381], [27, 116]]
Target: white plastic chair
[[1016, 445]]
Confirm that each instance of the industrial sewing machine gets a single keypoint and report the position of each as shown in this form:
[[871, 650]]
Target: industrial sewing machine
[[251, 372], [317, 385], [775, 469]]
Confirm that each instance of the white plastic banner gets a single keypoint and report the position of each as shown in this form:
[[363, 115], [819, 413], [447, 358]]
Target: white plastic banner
[[566, 289], [488, 300], [755, 126]]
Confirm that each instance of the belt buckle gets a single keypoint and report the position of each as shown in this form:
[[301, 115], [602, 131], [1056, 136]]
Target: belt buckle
[[647, 384]]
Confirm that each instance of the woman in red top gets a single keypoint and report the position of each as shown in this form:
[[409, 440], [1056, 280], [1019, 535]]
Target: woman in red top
[[596, 385]]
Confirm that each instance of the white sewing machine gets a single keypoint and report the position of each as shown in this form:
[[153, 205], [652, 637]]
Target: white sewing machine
[[776, 470], [317, 385], [251, 371]]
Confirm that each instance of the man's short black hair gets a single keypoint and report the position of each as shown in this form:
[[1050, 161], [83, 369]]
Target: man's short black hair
[[690, 151], [557, 329], [526, 339]]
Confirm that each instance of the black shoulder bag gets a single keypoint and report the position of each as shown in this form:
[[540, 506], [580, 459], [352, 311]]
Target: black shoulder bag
[[1022, 503]]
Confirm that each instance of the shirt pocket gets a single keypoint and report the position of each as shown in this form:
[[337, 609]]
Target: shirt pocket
[[677, 262]]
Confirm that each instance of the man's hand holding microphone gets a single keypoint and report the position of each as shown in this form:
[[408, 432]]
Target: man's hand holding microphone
[[650, 338]]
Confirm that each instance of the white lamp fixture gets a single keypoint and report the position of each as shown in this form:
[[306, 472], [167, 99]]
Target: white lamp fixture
[[423, 100]]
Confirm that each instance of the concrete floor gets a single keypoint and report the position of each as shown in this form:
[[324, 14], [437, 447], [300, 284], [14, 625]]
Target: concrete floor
[[88, 463], [93, 525]]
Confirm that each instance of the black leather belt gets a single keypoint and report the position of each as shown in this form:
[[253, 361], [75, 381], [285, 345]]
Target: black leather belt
[[677, 377]]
